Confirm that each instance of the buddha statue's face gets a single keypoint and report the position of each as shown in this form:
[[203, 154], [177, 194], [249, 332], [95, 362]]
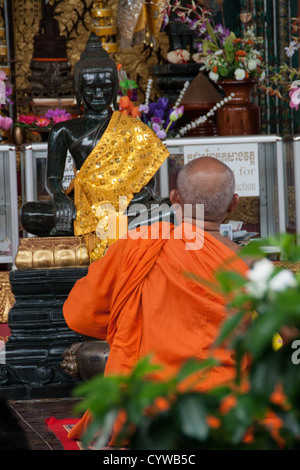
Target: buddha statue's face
[[97, 89]]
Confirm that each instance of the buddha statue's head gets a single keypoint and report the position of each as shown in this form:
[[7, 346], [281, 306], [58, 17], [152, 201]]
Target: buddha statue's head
[[95, 71]]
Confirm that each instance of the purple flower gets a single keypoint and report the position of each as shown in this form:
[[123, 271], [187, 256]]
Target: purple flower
[[156, 120], [155, 127], [193, 24], [162, 103], [8, 90], [222, 30], [144, 108], [51, 113], [159, 113], [161, 134], [152, 108]]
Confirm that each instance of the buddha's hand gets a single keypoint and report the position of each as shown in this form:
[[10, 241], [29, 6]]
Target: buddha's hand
[[65, 213]]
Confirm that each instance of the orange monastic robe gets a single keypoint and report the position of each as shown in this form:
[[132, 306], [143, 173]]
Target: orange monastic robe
[[139, 299]]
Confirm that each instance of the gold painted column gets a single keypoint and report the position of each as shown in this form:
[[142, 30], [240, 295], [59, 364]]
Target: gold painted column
[[104, 26]]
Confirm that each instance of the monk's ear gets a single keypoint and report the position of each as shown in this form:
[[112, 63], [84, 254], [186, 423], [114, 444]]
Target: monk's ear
[[174, 197], [234, 203]]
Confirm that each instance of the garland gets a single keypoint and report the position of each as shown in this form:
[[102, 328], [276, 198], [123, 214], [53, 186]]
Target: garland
[[203, 119]]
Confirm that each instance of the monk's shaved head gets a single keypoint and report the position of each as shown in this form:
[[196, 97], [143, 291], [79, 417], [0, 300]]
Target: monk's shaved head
[[208, 181]]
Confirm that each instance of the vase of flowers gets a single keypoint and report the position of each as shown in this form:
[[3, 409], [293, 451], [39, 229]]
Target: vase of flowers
[[239, 116], [234, 63]]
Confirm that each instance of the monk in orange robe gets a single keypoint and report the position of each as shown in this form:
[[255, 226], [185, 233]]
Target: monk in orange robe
[[138, 297]]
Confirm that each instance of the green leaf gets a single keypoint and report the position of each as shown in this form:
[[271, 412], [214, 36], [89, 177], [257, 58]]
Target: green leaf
[[211, 32], [192, 415], [264, 375], [194, 366], [144, 367], [262, 331], [223, 71], [229, 49], [209, 46], [229, 326], [102, 437], [230, 280], [240, 418]]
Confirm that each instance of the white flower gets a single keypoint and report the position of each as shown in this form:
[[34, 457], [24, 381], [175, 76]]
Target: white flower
[[295, 84], [261, 271], [259, 277], [213, 76], [252, 64], [283, 280], [291, 48], [257, 289], [239, 74], [262, 76]]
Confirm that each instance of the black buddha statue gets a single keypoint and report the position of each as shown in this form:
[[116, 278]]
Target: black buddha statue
[[96, 86]]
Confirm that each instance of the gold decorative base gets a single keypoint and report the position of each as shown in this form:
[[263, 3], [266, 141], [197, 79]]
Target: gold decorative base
[[51, 252], [7, 298]]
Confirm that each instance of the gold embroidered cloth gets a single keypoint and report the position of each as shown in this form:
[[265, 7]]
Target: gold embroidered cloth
[[121, 164]]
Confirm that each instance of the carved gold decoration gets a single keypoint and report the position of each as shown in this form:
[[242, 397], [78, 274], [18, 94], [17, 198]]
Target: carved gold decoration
[[104, 26], [50, 252], [6, 297], [26, 17], [248, 210]]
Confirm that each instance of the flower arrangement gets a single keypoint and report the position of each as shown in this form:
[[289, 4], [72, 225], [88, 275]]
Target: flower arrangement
[[45, 122], [235, 58], [5, 94], [224, 55], [159, 116], [220, 52]]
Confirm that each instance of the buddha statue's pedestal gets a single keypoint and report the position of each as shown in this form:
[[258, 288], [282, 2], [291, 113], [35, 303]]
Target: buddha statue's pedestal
[[39, 333]]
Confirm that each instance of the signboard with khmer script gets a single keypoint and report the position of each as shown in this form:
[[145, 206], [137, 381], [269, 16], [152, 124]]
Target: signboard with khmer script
[[242, 158]]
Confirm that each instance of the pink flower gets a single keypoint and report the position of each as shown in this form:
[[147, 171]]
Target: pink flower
[[62, 117], [294, 95], [55, 113], [176, 114], [42, 122], [28, 119], [5, 122]]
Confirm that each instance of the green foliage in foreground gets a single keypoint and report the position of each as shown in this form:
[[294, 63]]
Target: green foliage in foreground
[[198, 420]]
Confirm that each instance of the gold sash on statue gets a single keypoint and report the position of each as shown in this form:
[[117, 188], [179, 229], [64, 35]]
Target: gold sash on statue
[[121, 164]]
